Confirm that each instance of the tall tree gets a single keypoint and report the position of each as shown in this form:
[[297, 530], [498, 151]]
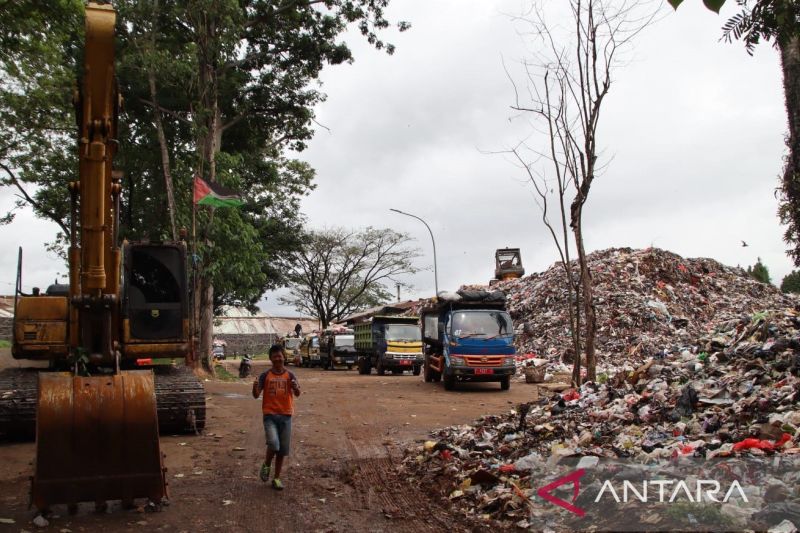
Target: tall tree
[[567, 81], [791, 282], [777, 21], [339, 272]]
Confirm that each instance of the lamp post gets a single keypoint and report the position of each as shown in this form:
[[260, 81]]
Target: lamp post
[[435, 271]]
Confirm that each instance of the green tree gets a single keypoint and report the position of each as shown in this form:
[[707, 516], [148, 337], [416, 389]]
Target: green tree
[[791, 282], [777, 21], [222, 89], [760, 272], [339, 272]]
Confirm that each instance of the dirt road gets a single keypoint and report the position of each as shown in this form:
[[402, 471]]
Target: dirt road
[[348, 432]]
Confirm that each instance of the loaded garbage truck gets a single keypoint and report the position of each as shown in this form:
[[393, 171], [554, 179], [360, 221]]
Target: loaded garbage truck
[[468, 336], [336, 348], [389, 343]]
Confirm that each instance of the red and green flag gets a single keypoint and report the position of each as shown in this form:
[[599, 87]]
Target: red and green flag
[[214, 194]]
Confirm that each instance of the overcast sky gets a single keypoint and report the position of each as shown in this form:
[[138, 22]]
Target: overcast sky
[[692, 132]]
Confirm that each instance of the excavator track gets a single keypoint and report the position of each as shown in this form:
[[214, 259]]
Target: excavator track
[[180, 402], [18, 391]]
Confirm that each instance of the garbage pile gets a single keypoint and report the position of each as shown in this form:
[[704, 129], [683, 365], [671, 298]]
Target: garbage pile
[[699, 362], [649, 303]]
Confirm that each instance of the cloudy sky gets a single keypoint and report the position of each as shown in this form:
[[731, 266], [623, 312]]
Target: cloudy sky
[[692, 132]]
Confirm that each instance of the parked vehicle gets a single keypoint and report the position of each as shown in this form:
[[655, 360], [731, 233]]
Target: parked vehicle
[[337, 348], [468, 337], [389, 343], [218, 353], [245, 366], [291, 348], [309, 351]]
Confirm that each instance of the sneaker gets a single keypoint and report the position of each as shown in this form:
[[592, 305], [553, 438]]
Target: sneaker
[[264, 473], [276, 484]]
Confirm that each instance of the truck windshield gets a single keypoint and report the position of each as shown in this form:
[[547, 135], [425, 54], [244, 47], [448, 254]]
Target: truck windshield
[[343, 340], [292, 344], [481, 324], [402, 332]]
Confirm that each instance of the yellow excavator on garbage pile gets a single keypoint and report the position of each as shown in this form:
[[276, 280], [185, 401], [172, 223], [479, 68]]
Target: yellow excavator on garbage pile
[[97, 410], [508, 265]]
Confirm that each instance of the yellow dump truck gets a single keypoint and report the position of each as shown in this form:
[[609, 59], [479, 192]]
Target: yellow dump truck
[[389, 343]]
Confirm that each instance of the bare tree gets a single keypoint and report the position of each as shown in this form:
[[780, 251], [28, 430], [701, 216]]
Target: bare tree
[[567, 80], [340, 272]]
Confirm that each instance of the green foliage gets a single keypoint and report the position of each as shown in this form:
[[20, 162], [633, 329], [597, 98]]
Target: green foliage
[[232, 84], [791, 282], [339, 272], [760, 272]]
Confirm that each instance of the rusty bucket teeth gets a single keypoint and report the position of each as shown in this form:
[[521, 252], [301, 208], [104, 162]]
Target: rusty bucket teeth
[[97, 439]]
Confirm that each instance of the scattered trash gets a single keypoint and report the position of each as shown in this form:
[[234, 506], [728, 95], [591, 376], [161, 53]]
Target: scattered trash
[[227, 502], [695, 360], [7, 521], [41, 521]]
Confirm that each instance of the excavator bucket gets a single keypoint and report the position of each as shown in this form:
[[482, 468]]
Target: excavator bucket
[[97, 439]]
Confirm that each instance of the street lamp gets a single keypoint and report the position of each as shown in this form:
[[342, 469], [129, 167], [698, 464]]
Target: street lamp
[[435, 271]]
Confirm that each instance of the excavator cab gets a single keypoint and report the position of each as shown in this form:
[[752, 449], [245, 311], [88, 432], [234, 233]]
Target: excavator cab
[[508, 264]]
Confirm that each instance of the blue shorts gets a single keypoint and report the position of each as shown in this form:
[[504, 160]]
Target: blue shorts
[[278, 431]]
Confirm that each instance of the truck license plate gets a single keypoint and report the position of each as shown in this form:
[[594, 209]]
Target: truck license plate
[[405, 361], [484, 371]]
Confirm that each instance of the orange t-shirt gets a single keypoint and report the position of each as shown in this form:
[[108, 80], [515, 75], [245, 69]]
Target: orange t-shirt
[[277, 398]]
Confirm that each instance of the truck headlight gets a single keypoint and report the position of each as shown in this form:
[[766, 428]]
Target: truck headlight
[[457, 361], [510, 361]]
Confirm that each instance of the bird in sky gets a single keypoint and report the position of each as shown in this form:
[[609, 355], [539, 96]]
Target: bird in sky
[[744, 244]]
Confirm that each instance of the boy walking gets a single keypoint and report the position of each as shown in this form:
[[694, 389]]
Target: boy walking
[[279, 387]]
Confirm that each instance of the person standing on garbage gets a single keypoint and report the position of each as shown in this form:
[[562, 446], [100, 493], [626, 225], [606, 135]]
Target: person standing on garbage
[[280, 387]]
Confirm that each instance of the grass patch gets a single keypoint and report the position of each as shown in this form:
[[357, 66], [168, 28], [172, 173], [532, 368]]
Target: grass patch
[[5, 344], [223, 374]]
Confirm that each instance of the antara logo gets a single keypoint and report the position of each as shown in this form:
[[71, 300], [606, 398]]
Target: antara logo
[[653, 490], [575, 479]]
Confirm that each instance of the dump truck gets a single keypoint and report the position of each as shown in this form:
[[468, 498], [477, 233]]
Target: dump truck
[[389, 343], [468, 336], [291, 348], [96, 412], [336, 348], [309, 351]]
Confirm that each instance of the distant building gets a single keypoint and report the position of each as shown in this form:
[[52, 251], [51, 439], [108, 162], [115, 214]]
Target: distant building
[[242, 332]]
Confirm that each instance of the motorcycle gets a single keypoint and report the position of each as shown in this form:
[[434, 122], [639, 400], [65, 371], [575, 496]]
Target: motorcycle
[[245, 366]]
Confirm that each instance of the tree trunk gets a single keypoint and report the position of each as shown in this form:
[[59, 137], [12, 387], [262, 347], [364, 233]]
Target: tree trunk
[[790, 206], [587, 288], [162, 142], [206, 329]]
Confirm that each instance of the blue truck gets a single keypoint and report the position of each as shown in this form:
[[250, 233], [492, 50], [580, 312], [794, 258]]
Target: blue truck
[[468, 336]]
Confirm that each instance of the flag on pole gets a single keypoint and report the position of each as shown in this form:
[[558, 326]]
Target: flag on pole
[[214, 194]]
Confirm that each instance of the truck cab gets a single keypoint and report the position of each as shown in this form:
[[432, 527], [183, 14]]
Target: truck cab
[[291, 348], [309, 351], [469, 339], [392, 343], [338, 348]]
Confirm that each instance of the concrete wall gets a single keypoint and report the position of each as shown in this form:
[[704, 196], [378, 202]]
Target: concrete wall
[[253, 344]]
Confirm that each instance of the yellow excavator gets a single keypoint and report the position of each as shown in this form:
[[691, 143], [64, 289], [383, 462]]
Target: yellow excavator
[[97, 410]]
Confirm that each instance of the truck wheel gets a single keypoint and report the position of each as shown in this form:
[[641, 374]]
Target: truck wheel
[[505, 383], [381, 370], [417, 370], [449, 382]]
